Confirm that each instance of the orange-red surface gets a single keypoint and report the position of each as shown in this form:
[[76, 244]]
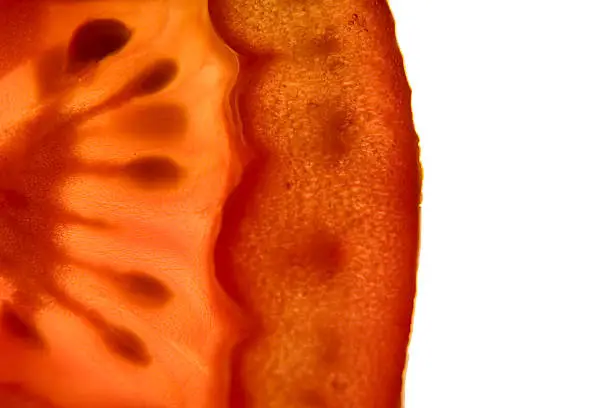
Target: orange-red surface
[[242, 231]]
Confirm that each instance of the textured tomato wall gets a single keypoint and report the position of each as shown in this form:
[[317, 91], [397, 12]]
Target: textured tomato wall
[[320, 240]]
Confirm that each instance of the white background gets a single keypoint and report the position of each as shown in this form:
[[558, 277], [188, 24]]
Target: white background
[[513, 104]]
